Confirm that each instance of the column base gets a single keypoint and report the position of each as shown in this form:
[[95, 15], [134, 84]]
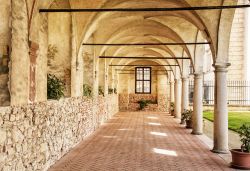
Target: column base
[[196, 133], [220, 151]]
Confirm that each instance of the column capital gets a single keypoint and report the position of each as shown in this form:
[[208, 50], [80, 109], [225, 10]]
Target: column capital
[[198, 75], [221, 67], [176, 80], [185, 78]]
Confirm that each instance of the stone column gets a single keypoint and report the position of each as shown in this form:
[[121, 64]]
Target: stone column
[[172, 91], [177, 108], [184, 97], [42, 60], [220, 110], [106, 75], [76, 66], [20, 60], [197, 117]]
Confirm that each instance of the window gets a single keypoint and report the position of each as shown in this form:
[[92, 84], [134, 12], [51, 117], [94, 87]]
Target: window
[[143, 80]]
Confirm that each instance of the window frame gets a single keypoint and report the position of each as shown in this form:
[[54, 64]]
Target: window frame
[[143, 80]]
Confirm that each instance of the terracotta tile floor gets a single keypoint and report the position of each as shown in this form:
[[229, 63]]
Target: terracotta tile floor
[[141, 142]]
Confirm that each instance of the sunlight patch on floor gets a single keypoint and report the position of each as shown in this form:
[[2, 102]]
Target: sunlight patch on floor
[[151, 123], [165, 152], [152, 117], [159, 134]]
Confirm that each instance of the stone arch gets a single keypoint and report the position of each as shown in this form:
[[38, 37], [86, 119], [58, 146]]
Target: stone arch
[[223, 33]]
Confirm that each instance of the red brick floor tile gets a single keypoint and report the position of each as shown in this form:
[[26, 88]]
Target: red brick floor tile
[[141, 142]]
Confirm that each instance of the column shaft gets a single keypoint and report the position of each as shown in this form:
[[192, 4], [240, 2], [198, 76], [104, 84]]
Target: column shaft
[[184, 98], [172, 91], [220, 111], [20, 60], [197, 117], [177, 108]]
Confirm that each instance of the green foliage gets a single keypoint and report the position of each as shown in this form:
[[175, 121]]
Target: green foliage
[[235, 119], [55, 87], [87, 90], [115, 90], [111, 90], [100, 91], [145, 103], [244, 132], [187, 115]]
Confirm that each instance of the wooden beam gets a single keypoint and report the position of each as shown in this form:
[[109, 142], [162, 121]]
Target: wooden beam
[[122, 57], [198, 8], [145, 44]]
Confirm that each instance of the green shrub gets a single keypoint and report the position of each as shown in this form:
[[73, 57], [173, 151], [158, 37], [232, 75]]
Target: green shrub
[[145, 103], [55, 87], [87, 90], [244, 132]]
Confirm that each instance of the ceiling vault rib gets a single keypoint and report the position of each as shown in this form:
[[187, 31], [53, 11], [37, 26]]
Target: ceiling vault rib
[[198, 8], [144, 44], [123, 57]]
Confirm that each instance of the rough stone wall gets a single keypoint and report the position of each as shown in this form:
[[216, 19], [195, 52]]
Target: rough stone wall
[[33, 137], [130, 102]]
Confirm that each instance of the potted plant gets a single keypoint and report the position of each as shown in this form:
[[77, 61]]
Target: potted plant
[[183, 121], [172, 109], [187, 117], [241, 157]]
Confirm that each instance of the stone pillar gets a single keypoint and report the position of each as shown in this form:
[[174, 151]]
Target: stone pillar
[[177, 108], [76, 66], [42, 60], [220, 110], [172, 91], [184, 97], [20, 60], [197, 117], [106, 75]]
